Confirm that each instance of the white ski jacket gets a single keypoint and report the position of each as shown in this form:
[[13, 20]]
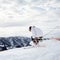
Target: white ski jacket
[[36, 32]]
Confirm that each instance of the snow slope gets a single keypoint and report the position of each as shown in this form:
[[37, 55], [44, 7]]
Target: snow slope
[[51, 51]]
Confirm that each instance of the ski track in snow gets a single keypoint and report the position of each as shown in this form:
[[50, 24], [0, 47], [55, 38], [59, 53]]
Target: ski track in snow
[[51, 51]]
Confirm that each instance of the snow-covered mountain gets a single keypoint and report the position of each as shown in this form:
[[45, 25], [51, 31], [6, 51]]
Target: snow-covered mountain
[[15, 18], [13, 42], [49, 51]]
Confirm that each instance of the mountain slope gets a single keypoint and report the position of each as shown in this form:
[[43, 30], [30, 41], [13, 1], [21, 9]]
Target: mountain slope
[[51, 51]]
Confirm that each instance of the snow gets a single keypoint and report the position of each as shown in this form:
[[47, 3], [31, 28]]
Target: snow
[[15, 18], [51, 51]]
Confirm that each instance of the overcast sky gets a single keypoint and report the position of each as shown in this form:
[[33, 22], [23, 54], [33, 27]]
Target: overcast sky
[[22, 13]]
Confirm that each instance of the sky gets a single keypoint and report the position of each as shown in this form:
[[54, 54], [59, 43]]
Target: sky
[[22, 13]]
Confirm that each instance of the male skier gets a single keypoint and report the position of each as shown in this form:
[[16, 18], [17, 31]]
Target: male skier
[[37, 34]]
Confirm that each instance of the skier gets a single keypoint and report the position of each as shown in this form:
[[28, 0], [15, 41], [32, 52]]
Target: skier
[[37, 34]]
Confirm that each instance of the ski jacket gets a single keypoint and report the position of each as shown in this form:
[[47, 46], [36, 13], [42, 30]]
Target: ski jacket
[[36, 32]]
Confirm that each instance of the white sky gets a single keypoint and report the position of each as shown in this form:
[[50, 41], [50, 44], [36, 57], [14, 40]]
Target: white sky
[[23, 13]]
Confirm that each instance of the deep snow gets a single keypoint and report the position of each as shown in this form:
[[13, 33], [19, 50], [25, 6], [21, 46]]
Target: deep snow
[[51, 51]]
